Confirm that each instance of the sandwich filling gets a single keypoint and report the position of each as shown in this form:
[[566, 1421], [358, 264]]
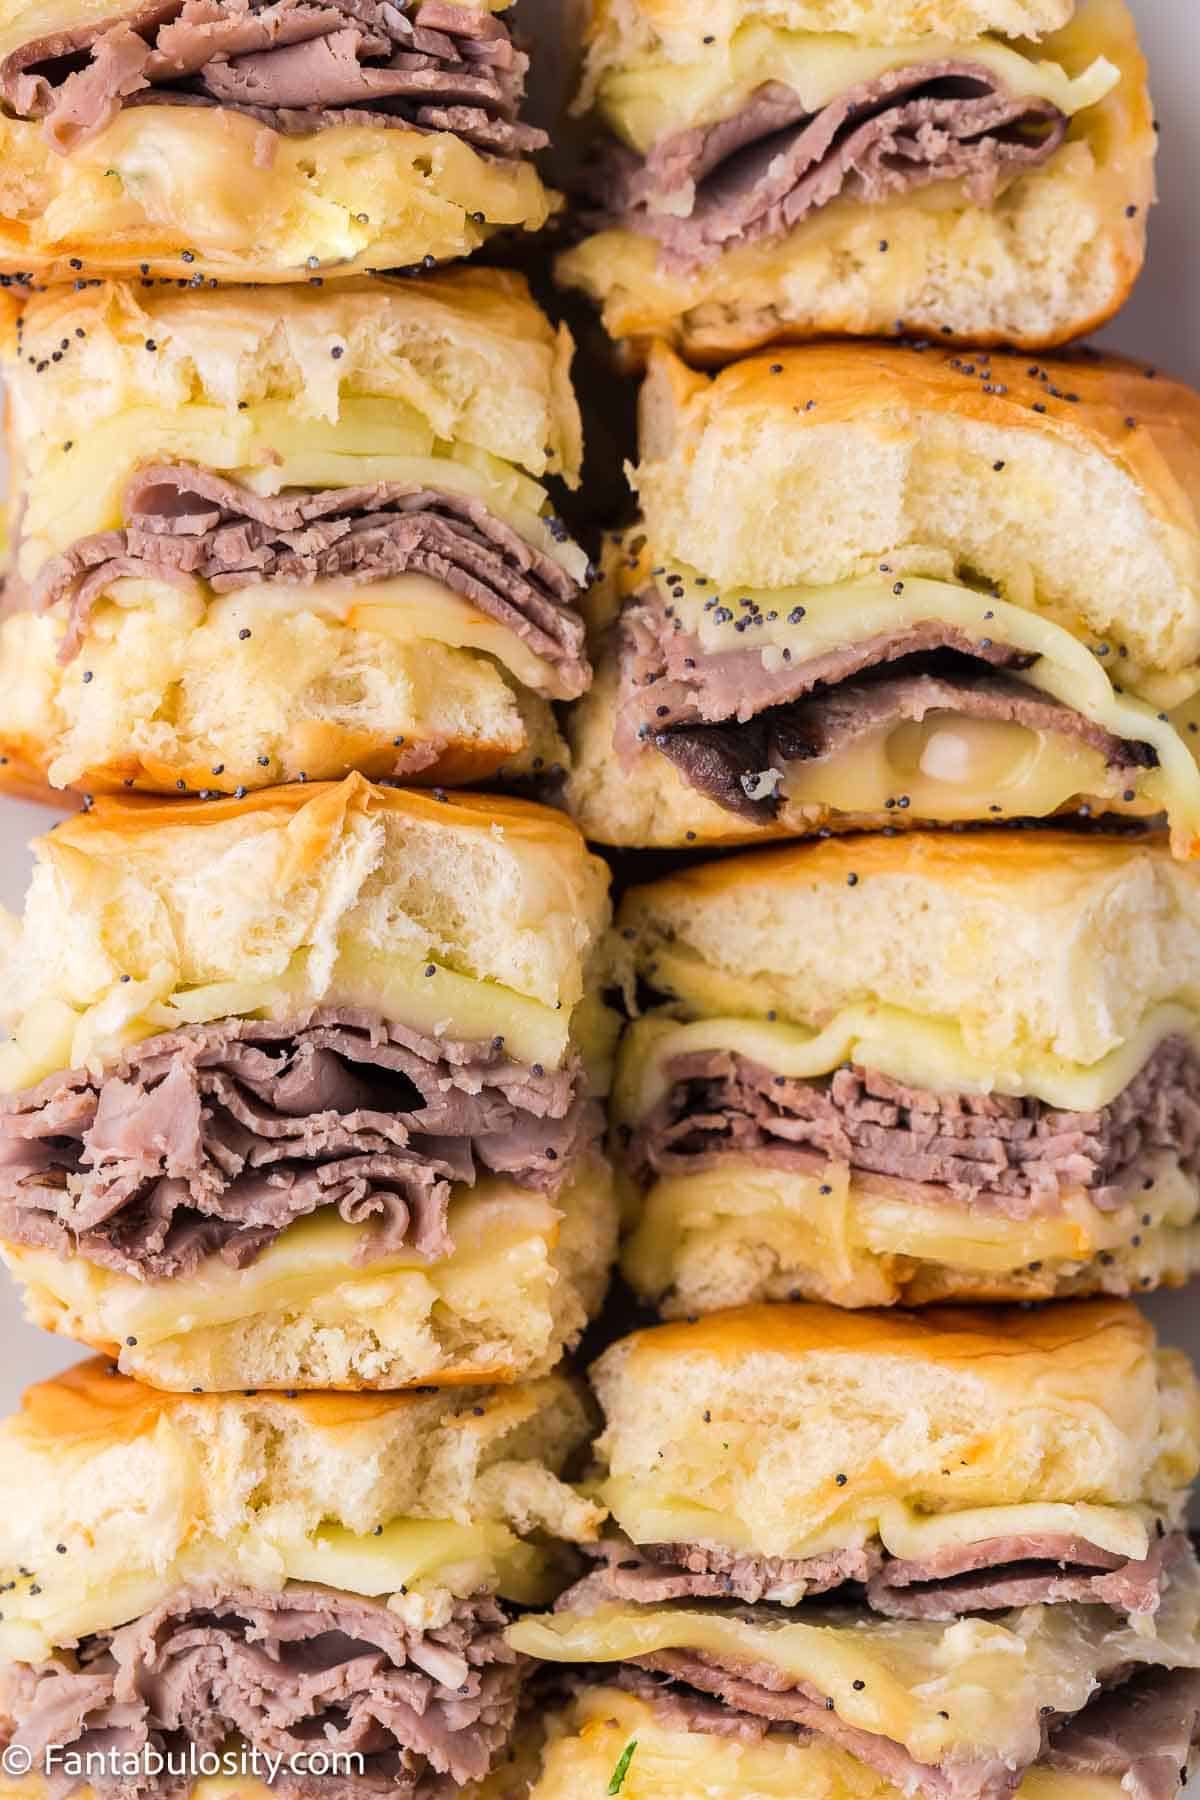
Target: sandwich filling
[[954, 1711], [212, 1140], [184, 523], [297, 66], [291, 1671], [992, 1575], [1008, 1156], [736, 723], [1140, 1735], [773, 162]]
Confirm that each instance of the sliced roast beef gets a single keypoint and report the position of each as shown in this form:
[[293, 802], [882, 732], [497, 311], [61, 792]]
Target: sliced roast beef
[[212, 1140], [993, 1576], [731, 723], [1029, 1570], [771, 164], [302, 1668], [183, 521], [432, 67], [1014, 1157], [1140, 1733], [652, 1573]]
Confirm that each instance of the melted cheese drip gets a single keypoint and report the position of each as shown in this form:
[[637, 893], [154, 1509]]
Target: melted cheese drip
[[649, 98], [974, 1687]]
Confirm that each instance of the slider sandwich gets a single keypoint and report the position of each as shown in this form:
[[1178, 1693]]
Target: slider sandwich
[[259, 140], [264, 535], [768, 172], [912, 1068], [937, 1555], [302, 1089], [935, 587], [306, 1579]]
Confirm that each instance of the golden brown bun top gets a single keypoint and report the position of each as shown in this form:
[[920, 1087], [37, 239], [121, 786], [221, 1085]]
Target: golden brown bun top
[[978, 861], [1099, 1337], [1129, 411], [325, 805], [92, 1403], [466, 347]]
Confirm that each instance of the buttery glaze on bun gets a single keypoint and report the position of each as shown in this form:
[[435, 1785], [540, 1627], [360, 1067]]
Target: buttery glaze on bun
[[295, 1528], [301, 1089], [1033, 242], [167, 142], [912, 1068], [264, 535], [939, 588]]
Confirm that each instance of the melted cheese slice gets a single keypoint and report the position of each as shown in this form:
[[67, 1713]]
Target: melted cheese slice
[[434, 1560], [922, 1052], [54, 1035], [503, 1242], [972, 1688], [841, 1239], [649, 98], [71, 493]]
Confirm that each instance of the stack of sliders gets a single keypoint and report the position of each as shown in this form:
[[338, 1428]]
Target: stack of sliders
[[767, 171], [259, 140], [876, 1554], [315, 1588], [939, 587], [269, 534], [302, 1089], [918, 1067]]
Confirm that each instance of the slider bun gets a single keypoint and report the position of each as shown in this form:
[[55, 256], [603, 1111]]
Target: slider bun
[[189, 189], [587, 1738], [945, 1411], [516, 1291], [1036, 944], [136, 902], [852, 454], [133, 1481], [317, 690], [743, 1233], [1054, 257], [465, 354]]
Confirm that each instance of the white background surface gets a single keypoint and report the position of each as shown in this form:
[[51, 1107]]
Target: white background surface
[[1161, 323]]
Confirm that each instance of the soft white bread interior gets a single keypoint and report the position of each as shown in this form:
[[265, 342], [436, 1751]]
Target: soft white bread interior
[[1038, 958], [834, 458], [741, 1233], [192, 693], [310, 387], [515, 1292], [1054, 256], [592, 1734], [468, 916], [788, 1430], [147, 1489]]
